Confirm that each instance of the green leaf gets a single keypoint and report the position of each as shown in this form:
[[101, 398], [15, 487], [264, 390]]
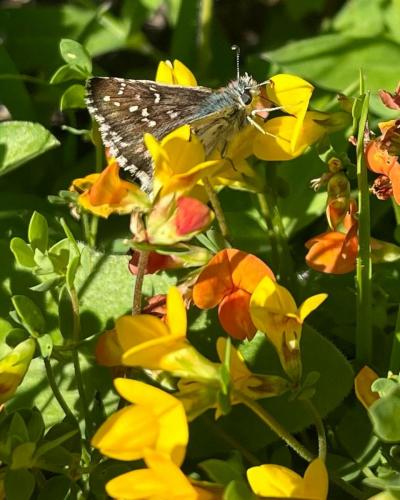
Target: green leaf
[[22, 456], [65, 313], [238, 490], [45, 345], [23, 141], [22, 252], [19, 484], [384, 414], [72, 269], [73, 97], [38, 232], [46, 447], [56, 488], [35, 426], [18, 428], [66, 73], [75, 54], [29, 313], [220, 471]]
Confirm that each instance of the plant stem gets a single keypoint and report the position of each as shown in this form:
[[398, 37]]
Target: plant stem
[[56, 391], [205, 17], [137, 293], [394, 364], [266, 213], [364, 268], [276, 427], [77, 367], [319, 425], [219, 214]]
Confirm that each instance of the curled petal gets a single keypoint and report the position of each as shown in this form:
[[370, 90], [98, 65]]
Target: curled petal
[[233, 313], [310, 304]]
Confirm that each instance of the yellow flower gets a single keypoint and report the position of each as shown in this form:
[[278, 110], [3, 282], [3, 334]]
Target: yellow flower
[[157, 421], [197, 397], [276, 481], [150, 343], [106, 193], [13, 368], [162, 480], [274, 312], [175, 73], [179, 161]]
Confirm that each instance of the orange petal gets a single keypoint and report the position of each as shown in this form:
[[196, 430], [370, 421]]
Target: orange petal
[[378, 158], [332, 253], [394, 177], [248, 270], [362, 386], [233, 313], [108, 349], [192, 215]]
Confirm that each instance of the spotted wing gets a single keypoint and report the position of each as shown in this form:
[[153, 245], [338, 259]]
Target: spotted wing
[[126, 109]]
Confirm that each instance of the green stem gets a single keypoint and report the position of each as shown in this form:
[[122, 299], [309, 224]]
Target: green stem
[[137, 293], [394, 364], [396, 209], [364, 268], [75, 359], [86, 227], [347, 487], [56, 391], [204, 48], [319, 426], [219, 214], [276, 427], [273, 241]]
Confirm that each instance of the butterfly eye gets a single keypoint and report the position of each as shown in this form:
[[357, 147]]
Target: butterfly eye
[[246, 97]]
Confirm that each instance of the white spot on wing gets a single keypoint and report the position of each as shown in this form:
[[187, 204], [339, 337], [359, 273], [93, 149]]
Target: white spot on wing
[[157, 98], [152, 123], [116, 103], [145, 112], [106, 98], [133, 108]]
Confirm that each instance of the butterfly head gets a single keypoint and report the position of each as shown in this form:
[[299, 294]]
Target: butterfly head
[[246, 89]]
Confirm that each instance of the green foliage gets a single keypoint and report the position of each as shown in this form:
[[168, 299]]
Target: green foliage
[[65, 279]]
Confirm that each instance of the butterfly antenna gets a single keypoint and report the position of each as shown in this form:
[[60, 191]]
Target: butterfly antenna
[[236, 49]]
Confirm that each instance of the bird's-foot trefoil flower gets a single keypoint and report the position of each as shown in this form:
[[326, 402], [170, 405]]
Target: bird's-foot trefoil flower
[[276, 481], [156, 420], [149, 342], [228, 281], [13, 368], [197, 397], [275, 313]]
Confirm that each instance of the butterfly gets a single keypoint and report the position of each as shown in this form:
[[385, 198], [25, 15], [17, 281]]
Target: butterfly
[[126, 109]]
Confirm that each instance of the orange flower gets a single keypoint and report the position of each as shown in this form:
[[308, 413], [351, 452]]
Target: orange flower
[[106, 193], [381, 160], [228, 281], [333, 252]]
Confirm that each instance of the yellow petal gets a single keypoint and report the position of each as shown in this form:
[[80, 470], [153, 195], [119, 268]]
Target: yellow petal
[[310, 304], [238, 369], [277, 143], [291, 92], [135, 330], [163, 480], [173, 431], [176, 313], [271, 298], [316, 480], [273, 480], [127, 433], [175, 74]]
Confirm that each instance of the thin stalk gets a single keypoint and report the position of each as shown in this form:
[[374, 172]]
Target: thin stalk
[[364, 268], [319, 426], [219, 214], [394, 364], [56, 391], [276, 427], [347, 487], [204, 45], [75, 359], [137, 293], [273, 241], [86, 227]]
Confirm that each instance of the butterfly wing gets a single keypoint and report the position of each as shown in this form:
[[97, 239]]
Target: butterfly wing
[[126, 109]]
